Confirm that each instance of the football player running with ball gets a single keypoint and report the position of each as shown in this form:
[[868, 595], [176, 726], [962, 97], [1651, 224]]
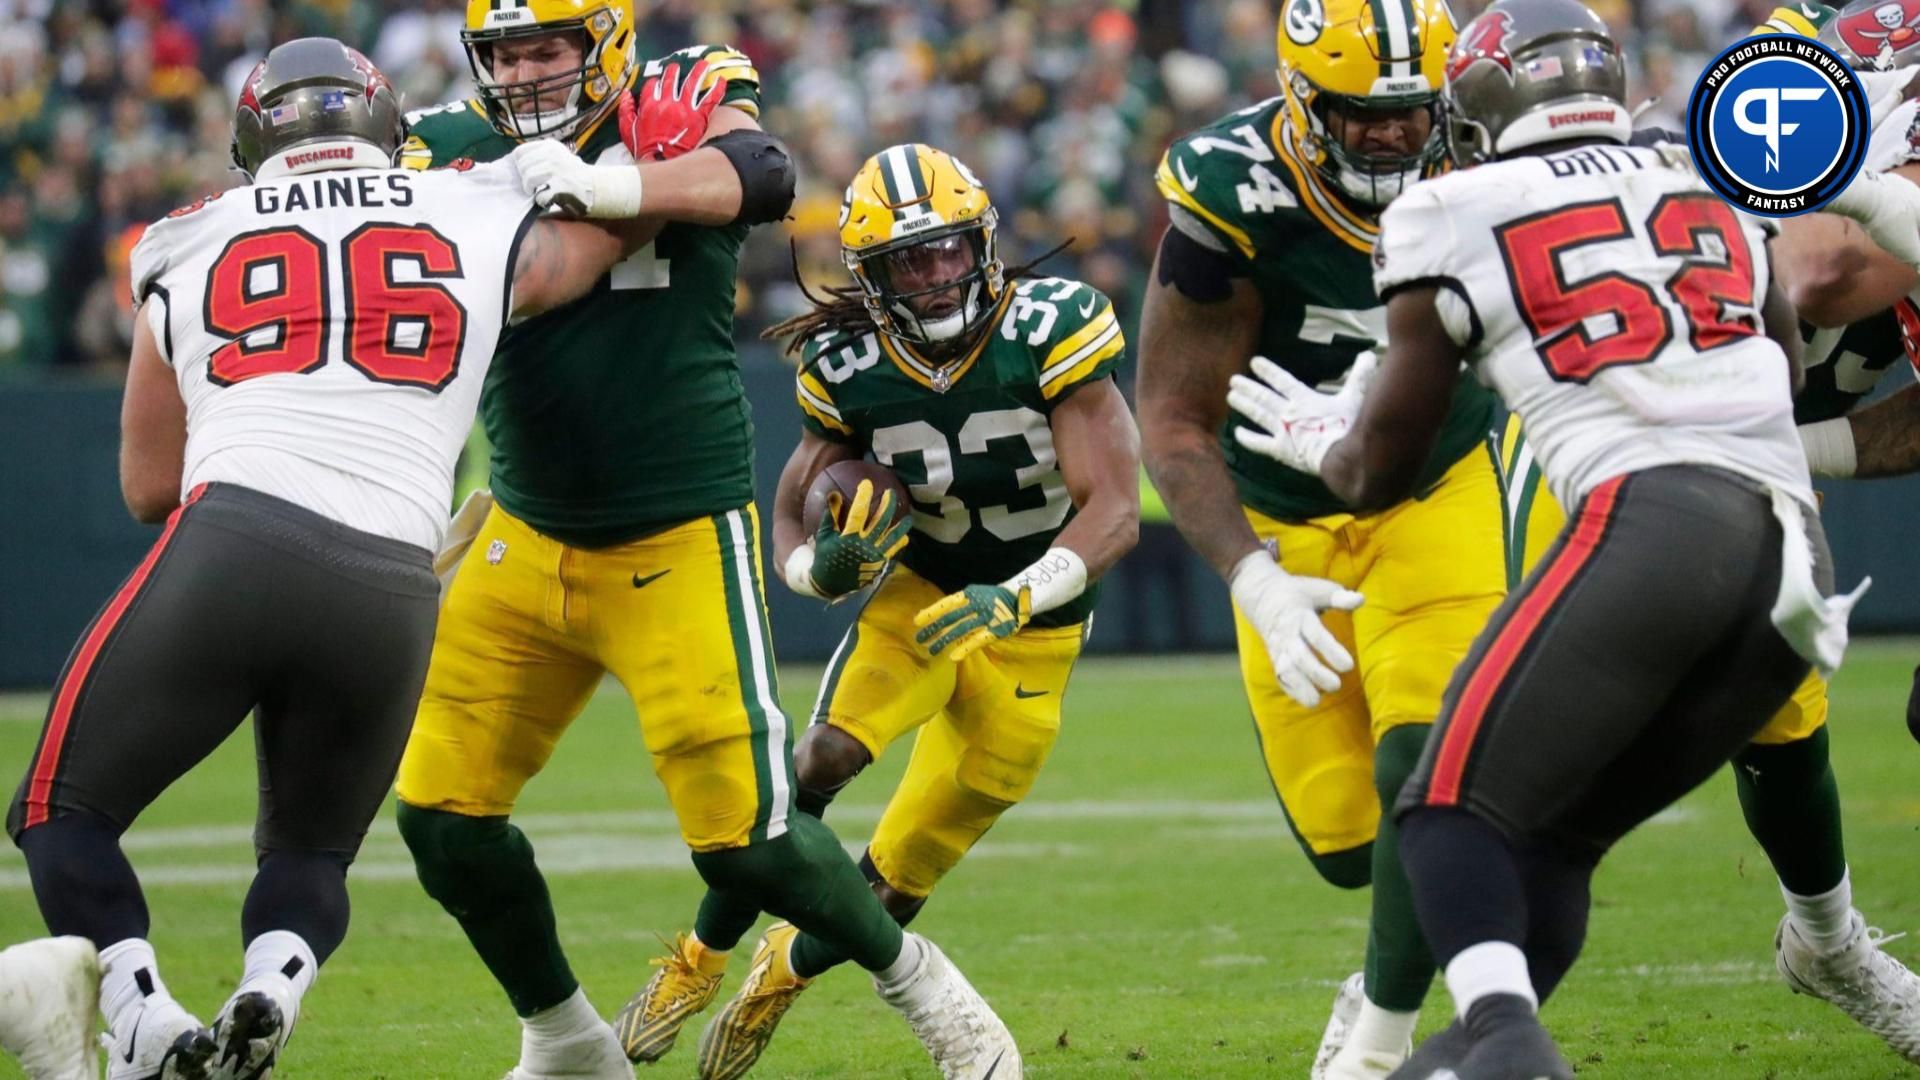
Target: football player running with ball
[[1274, 214], [990, 394], [624, 541]]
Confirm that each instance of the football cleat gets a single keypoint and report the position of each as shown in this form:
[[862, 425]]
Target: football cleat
[[162, 1042], [951, 1019], [1873, 988], [49, 996], [1439, 1054], [1364, 1065], [1507, 1043], [594, 1054], [737, 1036], [250, 1032], [679, 990], [1346, 1010]]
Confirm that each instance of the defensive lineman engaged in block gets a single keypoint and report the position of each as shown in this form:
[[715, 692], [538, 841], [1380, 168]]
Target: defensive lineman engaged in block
[[1787, 788], [305, 367], [1274, 212], [1679, 608], [990, 394]]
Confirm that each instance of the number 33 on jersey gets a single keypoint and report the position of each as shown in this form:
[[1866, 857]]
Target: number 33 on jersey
[[977, 457]]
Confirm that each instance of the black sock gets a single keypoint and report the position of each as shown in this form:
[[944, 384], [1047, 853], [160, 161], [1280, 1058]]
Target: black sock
[[82, 880], [1559, 895], [1467, 883], [304, 892]]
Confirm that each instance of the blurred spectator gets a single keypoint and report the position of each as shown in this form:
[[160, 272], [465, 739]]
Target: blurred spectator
[[114, 111]]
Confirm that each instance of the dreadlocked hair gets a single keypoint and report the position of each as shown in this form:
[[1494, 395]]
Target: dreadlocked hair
[[841, 310]]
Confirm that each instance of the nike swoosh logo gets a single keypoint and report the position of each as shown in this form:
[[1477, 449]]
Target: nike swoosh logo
[[1809, 12], [642, 582], [133, 1038], [1086, 309], [1186, 180], [993, 1068], [1022, 692]]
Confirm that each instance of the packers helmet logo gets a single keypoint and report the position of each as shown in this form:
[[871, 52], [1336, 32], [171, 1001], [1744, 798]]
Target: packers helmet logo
[[1305, 20], [1486, 41]]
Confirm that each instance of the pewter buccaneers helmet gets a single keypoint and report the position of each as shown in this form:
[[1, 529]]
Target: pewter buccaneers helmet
[[314, 103], [1528, 72]]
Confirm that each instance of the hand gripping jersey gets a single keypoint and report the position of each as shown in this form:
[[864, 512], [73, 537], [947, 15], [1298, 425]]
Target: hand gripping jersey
[[620, 414], [330, 333], [1238, 186], [978, 458], [1614, 303]]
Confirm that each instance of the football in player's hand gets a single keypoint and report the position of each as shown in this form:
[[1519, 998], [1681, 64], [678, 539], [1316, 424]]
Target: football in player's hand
[[844, 478]]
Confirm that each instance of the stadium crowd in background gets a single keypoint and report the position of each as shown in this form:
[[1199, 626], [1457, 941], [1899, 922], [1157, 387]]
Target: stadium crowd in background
[[113, 112]]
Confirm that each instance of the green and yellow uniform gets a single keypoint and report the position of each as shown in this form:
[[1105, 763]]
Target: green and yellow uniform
[[623, 539], [1431, 568], [1843, 365], [975, 450]]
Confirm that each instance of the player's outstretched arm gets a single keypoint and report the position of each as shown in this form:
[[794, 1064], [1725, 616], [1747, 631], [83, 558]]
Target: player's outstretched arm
[[739, 176], [1833, 271], [558, 262], [1378, 463], [153, 430], [1188, 351], [1885, 437], [1099, 452]]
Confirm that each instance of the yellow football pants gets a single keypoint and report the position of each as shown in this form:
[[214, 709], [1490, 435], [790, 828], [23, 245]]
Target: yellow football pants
[[986, 726], [531, 624], [1536, 518], [1432, 572]]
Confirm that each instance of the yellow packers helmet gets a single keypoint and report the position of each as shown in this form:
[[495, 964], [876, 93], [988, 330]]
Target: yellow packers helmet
[[1346, 59], [605, 32], [911, 212]]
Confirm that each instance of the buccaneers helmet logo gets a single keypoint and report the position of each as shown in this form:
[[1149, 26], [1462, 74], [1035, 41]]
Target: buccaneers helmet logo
[[1485, 40]]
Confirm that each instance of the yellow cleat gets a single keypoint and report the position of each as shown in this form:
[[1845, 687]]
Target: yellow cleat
[[737, 1036], [687, 982]]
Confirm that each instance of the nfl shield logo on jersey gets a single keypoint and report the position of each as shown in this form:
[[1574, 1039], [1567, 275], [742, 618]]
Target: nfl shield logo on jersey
[[495, 552], [1778, 125]]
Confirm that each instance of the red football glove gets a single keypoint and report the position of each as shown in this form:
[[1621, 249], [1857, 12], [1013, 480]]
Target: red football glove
[[667, 116]]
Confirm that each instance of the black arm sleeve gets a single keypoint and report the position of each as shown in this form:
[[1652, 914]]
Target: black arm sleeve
[[1203, 274], [766, 174]]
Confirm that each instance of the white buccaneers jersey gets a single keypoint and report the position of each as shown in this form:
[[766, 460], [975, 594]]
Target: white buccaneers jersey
[[1614, 302], [330, 333]]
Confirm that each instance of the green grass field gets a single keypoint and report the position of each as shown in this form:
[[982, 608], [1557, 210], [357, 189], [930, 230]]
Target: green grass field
[[1146, 914]]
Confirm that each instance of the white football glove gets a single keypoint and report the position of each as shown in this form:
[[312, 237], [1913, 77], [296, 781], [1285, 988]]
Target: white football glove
[[558, 179], [1285, 610], [1886, 91], [1301, 423]]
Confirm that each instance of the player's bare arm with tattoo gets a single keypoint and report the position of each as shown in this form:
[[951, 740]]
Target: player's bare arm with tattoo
[[1188, 351]]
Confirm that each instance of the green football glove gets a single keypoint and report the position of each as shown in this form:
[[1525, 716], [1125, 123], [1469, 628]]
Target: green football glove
[[962, 622], [848, 557]]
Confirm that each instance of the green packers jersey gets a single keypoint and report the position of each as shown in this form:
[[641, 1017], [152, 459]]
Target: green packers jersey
[[1308, 251], [973, 443], [1845, 363], [622, 413]]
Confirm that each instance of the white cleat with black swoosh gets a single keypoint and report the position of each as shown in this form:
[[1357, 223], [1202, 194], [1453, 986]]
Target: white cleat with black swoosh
[[951, 1019]]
